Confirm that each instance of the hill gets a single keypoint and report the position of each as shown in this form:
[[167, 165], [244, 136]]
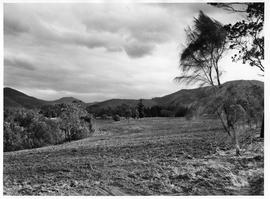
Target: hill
[[191, 96], [113, 103], [201, 99], [14, 98], [66, 100]]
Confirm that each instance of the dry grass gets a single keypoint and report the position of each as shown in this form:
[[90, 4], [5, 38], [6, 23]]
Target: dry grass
[[151, 156]]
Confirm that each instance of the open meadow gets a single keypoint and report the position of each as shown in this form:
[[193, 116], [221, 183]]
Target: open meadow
[[148, 156]]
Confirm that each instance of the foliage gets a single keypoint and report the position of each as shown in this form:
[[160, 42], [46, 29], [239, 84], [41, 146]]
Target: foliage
[[73, 121], [140, 108], [246, 36], [116, 118], [134, 113], [237, 109], [181, 111], [28, 129], [205, 46], [25, 128], [167, 113]]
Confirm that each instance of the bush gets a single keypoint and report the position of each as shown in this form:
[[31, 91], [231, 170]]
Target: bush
[[116, 118], [166, 113], [24, 129], [13, 137], [181, 111], [105, 117]]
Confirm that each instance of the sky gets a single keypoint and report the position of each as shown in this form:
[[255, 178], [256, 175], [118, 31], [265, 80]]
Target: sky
[[96, 52]]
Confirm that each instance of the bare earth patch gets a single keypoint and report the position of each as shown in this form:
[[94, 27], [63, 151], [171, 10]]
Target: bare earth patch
[[151, 156]]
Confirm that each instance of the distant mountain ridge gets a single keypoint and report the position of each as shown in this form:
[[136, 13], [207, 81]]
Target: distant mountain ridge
[[66, 100], [186, 96], [15, 98], [201, 98]]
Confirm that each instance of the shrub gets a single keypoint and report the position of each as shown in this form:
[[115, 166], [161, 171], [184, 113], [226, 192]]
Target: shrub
[[116, 118], [166, 113], [13, 139], [24, 129], [181, 111], [105, 117]]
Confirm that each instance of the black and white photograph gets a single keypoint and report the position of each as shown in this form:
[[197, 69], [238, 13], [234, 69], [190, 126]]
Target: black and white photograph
[[133, 98]]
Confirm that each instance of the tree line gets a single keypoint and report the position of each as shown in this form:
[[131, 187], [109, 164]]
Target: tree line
[[139, 111]]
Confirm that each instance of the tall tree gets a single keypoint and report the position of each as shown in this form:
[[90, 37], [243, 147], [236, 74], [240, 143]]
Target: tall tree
[[246, 36], [199, 62], [140, 108], [206, 43]]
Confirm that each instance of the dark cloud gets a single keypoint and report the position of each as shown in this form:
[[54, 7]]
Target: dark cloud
[[18, 62], [142, 24], [136, 49], [14, 27], [96, 51]]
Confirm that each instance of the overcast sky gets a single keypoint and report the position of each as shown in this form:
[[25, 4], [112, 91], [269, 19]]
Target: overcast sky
[[96, 52]]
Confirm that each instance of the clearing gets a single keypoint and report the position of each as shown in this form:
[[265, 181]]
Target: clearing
[[149, 156]]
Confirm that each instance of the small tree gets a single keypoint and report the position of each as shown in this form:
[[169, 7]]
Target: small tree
[[140, 108], [134, 113], [72, 121], [116, 117]]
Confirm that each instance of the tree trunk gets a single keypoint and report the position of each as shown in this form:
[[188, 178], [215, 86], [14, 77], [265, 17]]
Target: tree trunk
[[262, 129], [236, 142], [69, 136]]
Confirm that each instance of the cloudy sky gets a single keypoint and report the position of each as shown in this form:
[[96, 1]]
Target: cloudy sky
[[96, 52]]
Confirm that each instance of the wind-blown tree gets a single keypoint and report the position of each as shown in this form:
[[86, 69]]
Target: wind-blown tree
[[206, 44], [199, 62], [246, 36]]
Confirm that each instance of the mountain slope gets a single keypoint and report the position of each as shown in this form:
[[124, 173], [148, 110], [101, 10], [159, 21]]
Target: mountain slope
[[66, 100], [14, 98], [113, 103], [202, 99]]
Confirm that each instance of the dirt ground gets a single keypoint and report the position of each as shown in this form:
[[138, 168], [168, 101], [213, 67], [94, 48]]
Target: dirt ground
[[149, 156]]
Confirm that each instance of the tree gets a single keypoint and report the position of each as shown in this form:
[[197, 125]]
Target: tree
[[199, 61], [73, 121], [134, 113], [140, 108], [247, 36]]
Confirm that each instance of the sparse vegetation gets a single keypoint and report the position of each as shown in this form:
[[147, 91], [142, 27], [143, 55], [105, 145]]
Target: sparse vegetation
[[150, 156], [199, 62], [169, 145]]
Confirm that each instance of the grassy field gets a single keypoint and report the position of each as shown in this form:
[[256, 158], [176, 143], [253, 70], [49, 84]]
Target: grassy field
[[150, 156]]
